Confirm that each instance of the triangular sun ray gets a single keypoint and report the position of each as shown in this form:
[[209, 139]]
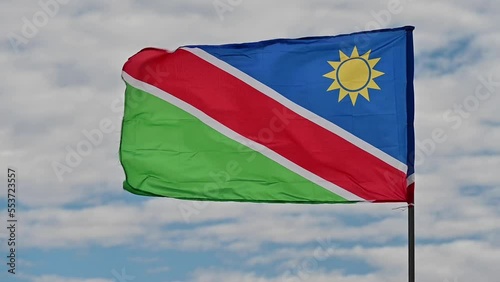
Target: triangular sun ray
[[354, 53], [334, 65], [376, 73], [364, 93], [373, 62], [373, 85], [342, 94], [333, 86], [331, 74], [366, 55], [354, 97], [343, 56]]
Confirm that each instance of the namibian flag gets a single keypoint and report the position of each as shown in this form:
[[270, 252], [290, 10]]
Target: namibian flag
[[309, 120]]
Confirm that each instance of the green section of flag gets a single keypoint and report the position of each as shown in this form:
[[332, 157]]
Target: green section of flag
[[167, 152]]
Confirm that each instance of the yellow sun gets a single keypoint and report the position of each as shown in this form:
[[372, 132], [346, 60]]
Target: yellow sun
[[354, 75]]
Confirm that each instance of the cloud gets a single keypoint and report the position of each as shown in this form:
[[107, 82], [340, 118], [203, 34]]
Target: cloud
[[55, 278], [160, 269], [454, 261]]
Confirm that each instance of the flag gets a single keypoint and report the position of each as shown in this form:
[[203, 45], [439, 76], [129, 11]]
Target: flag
[[311, 120]]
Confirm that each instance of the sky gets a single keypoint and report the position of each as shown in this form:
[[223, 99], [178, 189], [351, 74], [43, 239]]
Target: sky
[[61, 65]]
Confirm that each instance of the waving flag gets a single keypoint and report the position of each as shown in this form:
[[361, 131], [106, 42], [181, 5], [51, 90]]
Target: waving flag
[[310, 120]]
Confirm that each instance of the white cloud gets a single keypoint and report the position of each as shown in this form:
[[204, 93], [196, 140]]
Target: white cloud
[[454, 261], [56, 278]]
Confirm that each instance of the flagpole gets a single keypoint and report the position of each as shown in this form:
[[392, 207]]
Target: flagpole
[[411, 242]]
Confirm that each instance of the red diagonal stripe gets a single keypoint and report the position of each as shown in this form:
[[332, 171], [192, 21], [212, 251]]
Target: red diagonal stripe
[[254, 115]]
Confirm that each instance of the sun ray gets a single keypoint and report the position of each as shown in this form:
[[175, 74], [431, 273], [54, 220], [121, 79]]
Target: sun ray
[[366, 55], [354, 53], [343, 56], [354, 97], [342, 94], [373, 85], [354, 75], [373, 62], [334, 85], [331, 74], [376, 73], [335, 65], [364, 92]]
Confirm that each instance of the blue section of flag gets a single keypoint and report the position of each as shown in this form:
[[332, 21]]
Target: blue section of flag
[[295, 69]]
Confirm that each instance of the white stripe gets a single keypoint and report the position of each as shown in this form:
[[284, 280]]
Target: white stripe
[[410, 180], [298, 109], [239, 138]]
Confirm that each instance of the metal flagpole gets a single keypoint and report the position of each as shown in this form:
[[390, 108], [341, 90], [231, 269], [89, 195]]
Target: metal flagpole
[[411, 242]]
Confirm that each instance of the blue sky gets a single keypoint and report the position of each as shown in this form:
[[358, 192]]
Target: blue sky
[[61, 64]]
